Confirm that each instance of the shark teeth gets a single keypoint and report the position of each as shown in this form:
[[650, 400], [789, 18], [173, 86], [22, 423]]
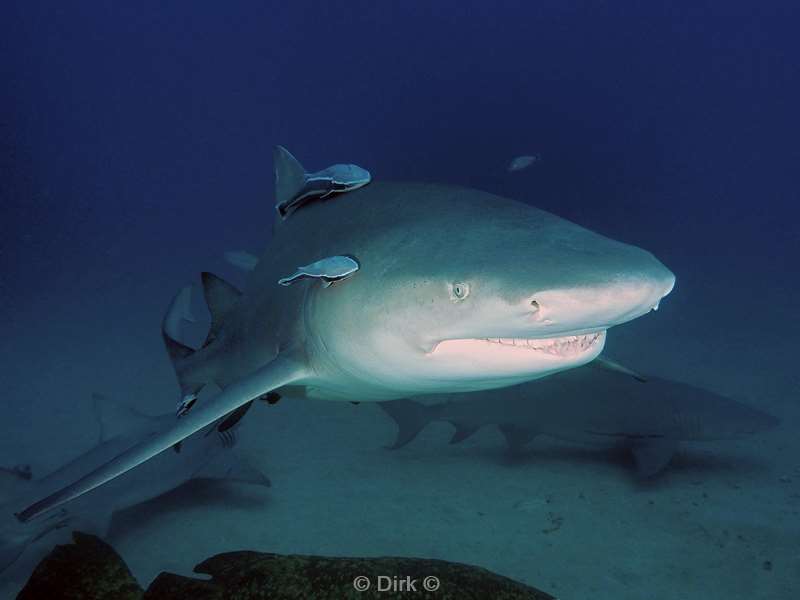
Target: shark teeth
[[560, 346]]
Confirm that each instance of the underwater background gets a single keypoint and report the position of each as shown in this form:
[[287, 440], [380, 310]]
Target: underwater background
[[135, 149]]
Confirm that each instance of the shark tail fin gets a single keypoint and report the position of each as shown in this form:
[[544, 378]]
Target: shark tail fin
[[220, 297], [290, 177], [411, 418], [178, 312]]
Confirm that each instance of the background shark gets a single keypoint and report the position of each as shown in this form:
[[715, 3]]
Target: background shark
[[590, 405], [457, 290], [206, 455]]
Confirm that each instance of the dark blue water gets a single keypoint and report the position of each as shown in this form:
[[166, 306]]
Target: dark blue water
[[136, 139]]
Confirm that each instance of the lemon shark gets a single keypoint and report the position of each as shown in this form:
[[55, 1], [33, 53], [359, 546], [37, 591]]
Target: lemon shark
[[592, 405], [208, 454], [446, 289]]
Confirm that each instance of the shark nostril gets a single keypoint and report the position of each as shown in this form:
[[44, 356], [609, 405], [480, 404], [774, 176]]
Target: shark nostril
[[535, 311]]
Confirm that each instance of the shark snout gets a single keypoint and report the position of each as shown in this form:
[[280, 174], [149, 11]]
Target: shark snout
[[598, 306]]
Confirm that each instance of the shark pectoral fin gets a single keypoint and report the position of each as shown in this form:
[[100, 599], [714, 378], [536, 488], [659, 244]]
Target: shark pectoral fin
[[611, 365], [463, 431], [284, 370], [290, 177], [652, 456], [233, 468], [241, 259], [516, 437]]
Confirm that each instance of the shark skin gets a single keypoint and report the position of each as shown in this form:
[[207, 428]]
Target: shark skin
[[206, 455], [458, 290], [590, 405]]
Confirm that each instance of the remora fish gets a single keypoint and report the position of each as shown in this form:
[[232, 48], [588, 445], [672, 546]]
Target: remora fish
[[206, 455], [523, 162], [456, 290], [294, 187], [593, 406]]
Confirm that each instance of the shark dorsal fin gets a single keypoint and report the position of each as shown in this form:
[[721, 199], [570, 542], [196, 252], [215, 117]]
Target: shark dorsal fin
[[115, 419], [220, 297], [290, 176]]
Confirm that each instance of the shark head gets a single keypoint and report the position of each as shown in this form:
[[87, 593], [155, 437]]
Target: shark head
[[488, 297]]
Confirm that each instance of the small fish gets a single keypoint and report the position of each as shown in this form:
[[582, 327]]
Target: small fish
[[523, 162], [328, 270], [294, 187]]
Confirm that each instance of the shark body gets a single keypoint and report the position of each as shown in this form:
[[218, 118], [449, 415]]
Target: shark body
[[206, 455], [457, 290], [590, 405]]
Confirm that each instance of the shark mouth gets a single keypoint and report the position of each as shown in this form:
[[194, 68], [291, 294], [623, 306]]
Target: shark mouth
[[568, 346]]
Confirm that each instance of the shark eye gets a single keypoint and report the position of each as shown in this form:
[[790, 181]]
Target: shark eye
[[459, 291]]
